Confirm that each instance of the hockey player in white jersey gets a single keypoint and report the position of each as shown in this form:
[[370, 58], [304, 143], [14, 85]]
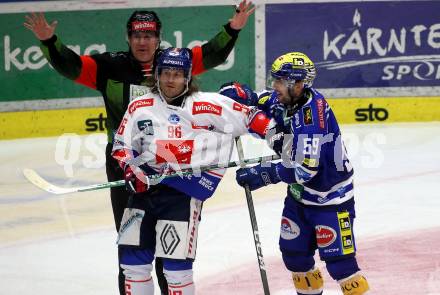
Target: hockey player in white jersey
[[173, 127]]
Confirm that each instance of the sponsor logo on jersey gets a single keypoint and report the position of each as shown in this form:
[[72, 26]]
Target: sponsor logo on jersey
[[174, 119], [204, 107], [240, 107], [143, 26], [307, 115], [146, 126], [240, 90], [174, 151], [206, 127], [140, 104], [289, 229], [320, 105], [206, 183], [325, 235]]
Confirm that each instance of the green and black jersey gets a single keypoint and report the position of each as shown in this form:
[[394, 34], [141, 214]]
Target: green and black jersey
[[115, 74]]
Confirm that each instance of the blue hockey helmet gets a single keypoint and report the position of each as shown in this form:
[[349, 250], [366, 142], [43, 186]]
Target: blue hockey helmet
[[174, 58]]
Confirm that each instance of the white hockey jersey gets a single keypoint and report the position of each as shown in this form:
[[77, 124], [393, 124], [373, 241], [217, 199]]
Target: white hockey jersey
[[200, 132]]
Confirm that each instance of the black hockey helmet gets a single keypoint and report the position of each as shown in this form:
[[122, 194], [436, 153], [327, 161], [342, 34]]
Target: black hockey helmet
[[143, 21]]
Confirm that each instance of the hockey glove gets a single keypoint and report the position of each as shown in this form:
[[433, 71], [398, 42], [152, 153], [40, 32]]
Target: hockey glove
[[277, 113], [241, 93], [135, 181], [257, 176]]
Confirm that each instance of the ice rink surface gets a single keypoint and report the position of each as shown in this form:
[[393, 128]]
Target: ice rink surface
[[56, 245]]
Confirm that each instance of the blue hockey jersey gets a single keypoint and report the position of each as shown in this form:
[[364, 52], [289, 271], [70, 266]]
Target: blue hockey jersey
[[317, 170]]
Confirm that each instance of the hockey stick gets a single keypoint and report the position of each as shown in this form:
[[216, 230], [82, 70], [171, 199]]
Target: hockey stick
[[43, 184], [253, 217]]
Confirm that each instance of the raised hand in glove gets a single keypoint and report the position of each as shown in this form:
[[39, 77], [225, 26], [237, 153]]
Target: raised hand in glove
[[257, 176], [136, 180], [241, 93]]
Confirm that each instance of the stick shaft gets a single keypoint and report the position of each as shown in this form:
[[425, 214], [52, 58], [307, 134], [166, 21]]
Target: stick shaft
[[254, 224], [43, 184]]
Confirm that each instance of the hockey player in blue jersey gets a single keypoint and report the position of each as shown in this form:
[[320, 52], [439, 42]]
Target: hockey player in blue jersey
[[319, 208]]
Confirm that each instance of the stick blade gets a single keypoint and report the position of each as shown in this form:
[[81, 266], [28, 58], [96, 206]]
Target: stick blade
[[41, 183]]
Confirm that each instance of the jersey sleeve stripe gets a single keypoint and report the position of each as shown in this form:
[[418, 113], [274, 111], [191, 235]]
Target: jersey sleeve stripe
[[89, 68], [197, 61]]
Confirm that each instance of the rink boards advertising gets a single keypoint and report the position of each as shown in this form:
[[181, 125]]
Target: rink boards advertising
[[383, 56], [23, 64], [377, 61]]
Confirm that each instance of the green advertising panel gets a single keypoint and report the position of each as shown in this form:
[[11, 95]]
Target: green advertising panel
[[26, 75]]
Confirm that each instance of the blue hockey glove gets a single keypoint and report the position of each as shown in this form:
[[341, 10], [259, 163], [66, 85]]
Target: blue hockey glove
[[241, 93], [257, 176]]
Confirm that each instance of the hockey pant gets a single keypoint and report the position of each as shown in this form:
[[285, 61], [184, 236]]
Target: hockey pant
[[119, 199], [304, 229]]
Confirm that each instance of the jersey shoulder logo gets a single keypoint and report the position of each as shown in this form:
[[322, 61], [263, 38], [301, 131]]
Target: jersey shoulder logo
[[146, 126], [307, 115], [320, 106], [140, 104]]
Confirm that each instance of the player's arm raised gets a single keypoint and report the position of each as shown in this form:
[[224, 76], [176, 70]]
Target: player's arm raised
[[82, 69], [217, 50]]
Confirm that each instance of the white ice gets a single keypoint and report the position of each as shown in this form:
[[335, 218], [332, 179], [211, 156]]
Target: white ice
[[66, 245]]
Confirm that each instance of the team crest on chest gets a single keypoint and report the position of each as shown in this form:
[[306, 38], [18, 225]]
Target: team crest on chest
[[174, 119]]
